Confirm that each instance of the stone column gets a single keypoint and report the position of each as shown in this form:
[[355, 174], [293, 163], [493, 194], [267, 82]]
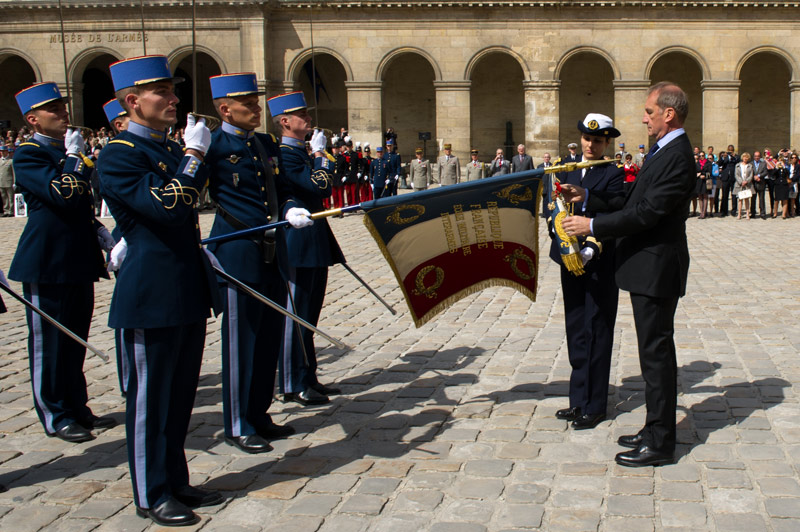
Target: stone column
[[452, 118], [364, 111], [720, 114], [629, 98], [541, 116], [794, 119]]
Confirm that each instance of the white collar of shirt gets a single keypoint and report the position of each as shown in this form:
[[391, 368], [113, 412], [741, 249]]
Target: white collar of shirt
[[669, 137], [52, 141]]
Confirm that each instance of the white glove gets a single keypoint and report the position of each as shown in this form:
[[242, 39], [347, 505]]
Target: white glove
[[397, 177], [298, 217], [359, 175], [318, 141], [105, 239], [388, 181], [586, 255], [117, 255], [344, 179], [73, 141], [196, 135]]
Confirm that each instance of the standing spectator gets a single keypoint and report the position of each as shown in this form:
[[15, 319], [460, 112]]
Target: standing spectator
[[364, 190], [794, 167], [759, 184], [6, 183], [638, 159], [390, 135], [339, 173], [475, 169], [419, 172], [95, 180], [449, 167], [622, 153], [395, 167], [744, 185], [713, 192], [782, 182], [771, 163], [521, 161], [499, 166], [703, 171], [630, 170], [573, 156], [710, 153], [727, 163], [545, 161]]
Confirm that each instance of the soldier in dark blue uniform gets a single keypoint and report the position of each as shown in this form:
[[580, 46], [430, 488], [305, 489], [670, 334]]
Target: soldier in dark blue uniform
[[164, 286], [246, 184], [380, 174], [590, 299], [311, 250], [395, 168], [118, 119], [58, 260]]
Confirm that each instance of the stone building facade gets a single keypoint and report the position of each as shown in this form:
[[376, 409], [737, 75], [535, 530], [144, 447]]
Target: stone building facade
[[470, 73]]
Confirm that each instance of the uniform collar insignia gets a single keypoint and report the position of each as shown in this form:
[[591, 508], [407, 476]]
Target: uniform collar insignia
[[237, 132], [291, 141], [145, 132], [51, 141]]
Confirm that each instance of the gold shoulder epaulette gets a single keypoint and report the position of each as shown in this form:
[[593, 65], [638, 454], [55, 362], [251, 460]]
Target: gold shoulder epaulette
[[273, 137], [30, 144], [125, 142]]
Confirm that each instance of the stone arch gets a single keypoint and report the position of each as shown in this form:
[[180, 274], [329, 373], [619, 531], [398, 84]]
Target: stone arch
[[774, 50], [587, 77], [294, 69], [20, 71], [764, 109], [408, 103], [694, 54], [586, 49], [387, 59], [497, 110], [685, 67], [209, 63], [328, 77], [90, 85], [481, 54]]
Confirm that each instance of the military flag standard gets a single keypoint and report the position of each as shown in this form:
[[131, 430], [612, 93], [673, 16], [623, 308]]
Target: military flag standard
[[446, 243]]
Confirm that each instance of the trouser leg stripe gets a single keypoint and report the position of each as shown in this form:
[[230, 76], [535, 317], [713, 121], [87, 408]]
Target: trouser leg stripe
[[140, 437], [38, 355], [232, 315]]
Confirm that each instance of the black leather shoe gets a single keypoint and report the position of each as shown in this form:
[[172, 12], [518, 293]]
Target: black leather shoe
[[197, 497], [252, 443], [170, 513], [326, 390], [96, 422], [644, 456], [569, 413], [631, 441], [74, 433], [587, 421], [309, 396], [276, 432]]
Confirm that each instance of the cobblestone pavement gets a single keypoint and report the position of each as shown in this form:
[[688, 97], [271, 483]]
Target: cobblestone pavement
[[451, 427]]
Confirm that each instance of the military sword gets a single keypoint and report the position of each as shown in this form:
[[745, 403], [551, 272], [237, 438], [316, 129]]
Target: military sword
[[53, 321], [271, 304]]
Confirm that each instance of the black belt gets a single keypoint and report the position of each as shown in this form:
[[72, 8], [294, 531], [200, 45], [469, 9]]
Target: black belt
[[265, 240]]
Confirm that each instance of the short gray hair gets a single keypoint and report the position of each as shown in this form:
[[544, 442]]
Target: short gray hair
[[670, 95]]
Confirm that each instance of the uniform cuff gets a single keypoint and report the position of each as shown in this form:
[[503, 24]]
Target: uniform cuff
[[190, 165]]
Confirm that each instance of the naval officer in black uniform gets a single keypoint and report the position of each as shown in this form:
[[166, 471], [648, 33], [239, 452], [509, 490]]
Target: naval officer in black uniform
[[246, 184], [58, 260], [165, 286], [590, 299], [310, 251]]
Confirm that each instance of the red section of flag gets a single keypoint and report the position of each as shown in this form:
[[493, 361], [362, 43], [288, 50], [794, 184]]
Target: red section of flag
[[428, 286]]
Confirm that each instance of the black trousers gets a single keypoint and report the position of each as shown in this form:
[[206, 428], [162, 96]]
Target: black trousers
[[164, 370], [56, 361], [727, 190], [590, 311], [655, 327]]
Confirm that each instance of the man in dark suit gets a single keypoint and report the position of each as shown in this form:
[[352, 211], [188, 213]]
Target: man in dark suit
[[499, 166], [590, 295], [760, 182], [545, 161], [310, 251], [727, 173], [652, 262], [521, 161]]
